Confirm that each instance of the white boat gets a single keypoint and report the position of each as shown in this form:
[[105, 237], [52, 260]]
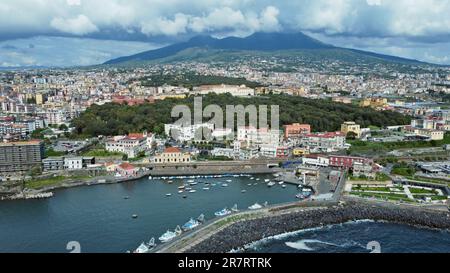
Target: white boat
[[168, 236], [229, 180], [223, 212], [181, 187], [280, 183], [283, 186], [249, 184], [257, 179], [192, 191], [234, 208], [169, 182], [224, 185], [206, 189], [255, 206], [191, 224], [251, 178], [150, 177], [190, 181], [266, 180], [271, 184], [143, 248], [180, 191], [243, 191], [193, 183], [168, 194]]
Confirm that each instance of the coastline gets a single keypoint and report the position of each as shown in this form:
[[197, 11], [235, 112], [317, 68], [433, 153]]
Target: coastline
[[242, 233]]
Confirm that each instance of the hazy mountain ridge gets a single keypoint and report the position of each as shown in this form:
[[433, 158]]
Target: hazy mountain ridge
[[258, 42]]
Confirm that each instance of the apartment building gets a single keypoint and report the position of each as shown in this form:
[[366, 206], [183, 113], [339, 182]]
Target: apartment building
[[172, 155], [296, 130], [323, 142], [20, 156], [130, 145]]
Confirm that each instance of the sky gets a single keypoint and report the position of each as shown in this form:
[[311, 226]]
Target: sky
[[83, 32]]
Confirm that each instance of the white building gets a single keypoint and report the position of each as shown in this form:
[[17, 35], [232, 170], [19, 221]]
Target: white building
[[251, 135], [187, 133], [73, 163], [234, 90], [130, 145]]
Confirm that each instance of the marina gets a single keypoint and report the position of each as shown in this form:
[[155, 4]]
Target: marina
[[109, 227]]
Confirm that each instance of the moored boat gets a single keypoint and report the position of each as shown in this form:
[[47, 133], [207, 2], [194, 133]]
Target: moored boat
[[223, 212], [191, 224], [255, 206]]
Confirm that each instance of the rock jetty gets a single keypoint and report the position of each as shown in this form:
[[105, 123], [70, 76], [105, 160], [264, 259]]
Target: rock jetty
[[242, 233]]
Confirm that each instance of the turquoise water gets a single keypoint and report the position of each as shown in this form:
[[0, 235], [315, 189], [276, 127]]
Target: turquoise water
[[99, 217]]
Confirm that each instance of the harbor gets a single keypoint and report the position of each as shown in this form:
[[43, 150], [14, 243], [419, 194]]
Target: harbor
[[100, 218]]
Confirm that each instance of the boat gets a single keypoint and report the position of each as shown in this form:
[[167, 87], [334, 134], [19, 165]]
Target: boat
[[255, 184], [134, 216], [271, 184], [168, 194], [180, 191], [300, 196], [280, 183], [192, 191], [168, 236], [257, 179], [266, 180], [188, 189], [249, 184], [224, 185], [143, 248], [201, 218], [266, 204], [178, 230], [169, 182], [190, 181], [181, 187], [283, 186], [243, 191], [206, 189], [234, 208], [229, 180], [150, 177], [184, 196], [193, 183], [255, 206], [223, 212], [191, 224], [251, 178], [126, 197]]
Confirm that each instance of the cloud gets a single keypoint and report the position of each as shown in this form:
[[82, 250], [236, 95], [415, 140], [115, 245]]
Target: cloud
[[79, 25]]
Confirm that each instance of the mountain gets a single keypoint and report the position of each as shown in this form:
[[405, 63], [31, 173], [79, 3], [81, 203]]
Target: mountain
[[204, 46]]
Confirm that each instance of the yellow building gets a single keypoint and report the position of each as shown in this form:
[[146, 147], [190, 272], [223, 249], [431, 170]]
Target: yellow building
[[374, 102], [172, 155], [300, 152], [40, 99], [351, 126]]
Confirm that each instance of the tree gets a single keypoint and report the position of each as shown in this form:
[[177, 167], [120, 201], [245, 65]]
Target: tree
[[63, 127], [351, 136]]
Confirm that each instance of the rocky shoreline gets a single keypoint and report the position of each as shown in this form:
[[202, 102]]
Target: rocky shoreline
[[242, 233]]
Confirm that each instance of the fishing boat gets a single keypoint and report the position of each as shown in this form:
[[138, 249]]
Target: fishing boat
[[168, 236], [191, 224], [223, 212], [234, 208], [143, 248], [201, 218], [255, 206], [271, 184], [178, 230]]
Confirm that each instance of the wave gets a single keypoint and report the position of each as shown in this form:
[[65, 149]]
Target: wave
[[303, 244], [286, 235]]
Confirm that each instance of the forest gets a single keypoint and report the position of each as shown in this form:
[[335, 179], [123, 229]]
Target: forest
[[322, 115]]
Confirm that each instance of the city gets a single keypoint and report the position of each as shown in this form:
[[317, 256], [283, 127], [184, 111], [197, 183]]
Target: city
[[347, 135]]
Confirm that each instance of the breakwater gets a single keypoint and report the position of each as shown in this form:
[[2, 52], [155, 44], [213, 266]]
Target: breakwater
[[242, 233]]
